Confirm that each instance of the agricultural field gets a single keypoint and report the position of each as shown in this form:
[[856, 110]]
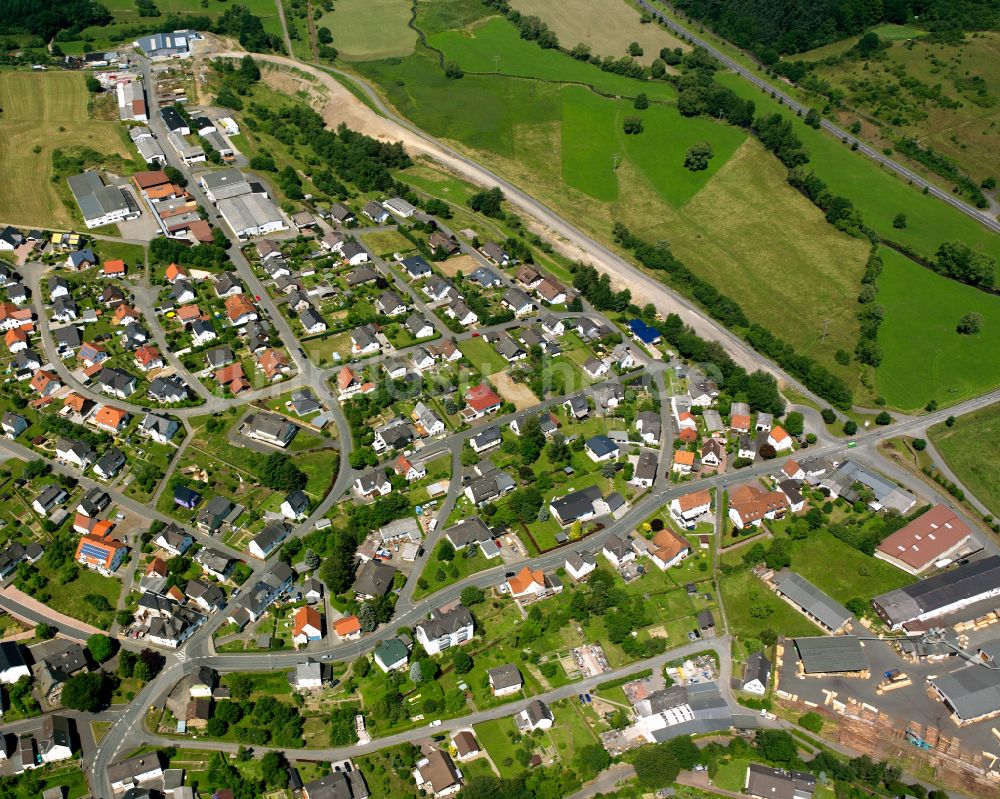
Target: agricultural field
[[971, 448], [923, 357], [563, 142], [608, 27], [43, 111], [891, 89], [357, 39], [877, 193]]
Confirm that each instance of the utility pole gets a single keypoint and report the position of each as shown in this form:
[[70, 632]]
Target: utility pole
[[496, 64], [826, 326], [616, 159]]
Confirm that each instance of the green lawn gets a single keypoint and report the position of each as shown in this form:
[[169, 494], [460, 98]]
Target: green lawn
[[972, 450], [731, 776], [461, 565], [493, 736], [923, 357], [482, 356], [71, 597], [590, 125], [856, 575], [741, 591], [387, 242]]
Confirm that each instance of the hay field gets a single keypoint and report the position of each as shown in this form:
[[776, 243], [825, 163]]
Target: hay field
[[44, 111], [607, 26], [358, 39]]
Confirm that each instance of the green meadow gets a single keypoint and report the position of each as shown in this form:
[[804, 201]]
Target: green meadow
[[923, 357]]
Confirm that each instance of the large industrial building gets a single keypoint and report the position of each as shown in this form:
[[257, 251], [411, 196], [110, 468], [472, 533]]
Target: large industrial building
[[100, 204], [936, 537], [244, 206], [942, 595]]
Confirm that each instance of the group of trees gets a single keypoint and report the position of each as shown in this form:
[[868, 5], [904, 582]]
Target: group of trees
[[46, 18], [263, 721], [248, 29], [488, 202], [236, 81], [959, 261], [772, 29], [596, 287]]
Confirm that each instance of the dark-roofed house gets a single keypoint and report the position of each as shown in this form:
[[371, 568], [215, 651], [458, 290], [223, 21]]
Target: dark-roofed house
[[338, 785], [536, 716], [12, 665], [972, 693], [818, 606], [374, 580], [836, 654], [445, 628], [436, 774], [465, 744], [765, 782], [942, 594], [505, 679], [472, 530], [135, 771], [757, 674], [268, 539]]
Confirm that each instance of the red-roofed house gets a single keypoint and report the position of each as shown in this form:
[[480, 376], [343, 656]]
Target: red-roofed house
[[16, 340], [188, 313], [779, 439], [480, 400], [347, 628], [689, 507], [240, 310], [111, 419], [103, 555], [403, 467], [45, 383], [148, 357], [307, 625], [175, 271], [115, 268], [683, 462], [347, 383], [793, 471], [274, 363], [749, 504]]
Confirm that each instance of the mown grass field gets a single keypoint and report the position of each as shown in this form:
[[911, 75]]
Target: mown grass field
[[972, 450], [607, 26], [876, 192], [806, 273], [923, 357], [856, 575], [357, 38], [44, 111]]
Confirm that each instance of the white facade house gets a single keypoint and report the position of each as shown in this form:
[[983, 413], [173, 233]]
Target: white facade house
[[445, 630]]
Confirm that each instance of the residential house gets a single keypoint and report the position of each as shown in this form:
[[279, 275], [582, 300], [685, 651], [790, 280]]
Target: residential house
[[445, 629], [268, 539], [618, 550], [505, 680], [749, 504], [373, 580], [436, 774], [536, 716], [110, 463], [683, 462], [347, 628], [580, 564], [103, 555], [307, 625], [371, 483], [687, 508], [415, 267]]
